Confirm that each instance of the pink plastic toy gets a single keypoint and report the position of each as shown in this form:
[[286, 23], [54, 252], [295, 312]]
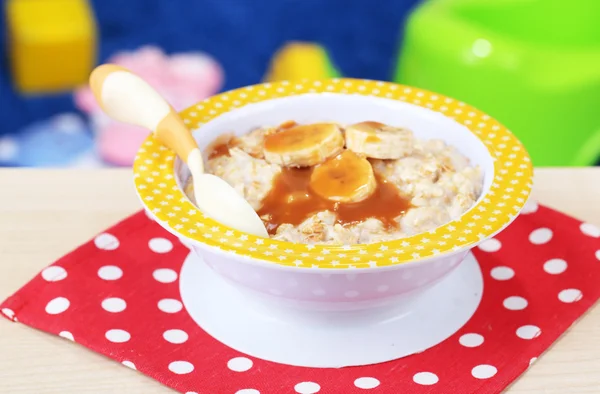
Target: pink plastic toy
[[183, 79]]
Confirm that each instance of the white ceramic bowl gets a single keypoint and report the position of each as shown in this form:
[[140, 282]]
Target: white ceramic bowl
[[334, 278]]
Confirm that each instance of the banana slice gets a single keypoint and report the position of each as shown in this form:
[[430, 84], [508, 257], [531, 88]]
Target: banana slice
[[304, 145], [345, 178], [379, 141]]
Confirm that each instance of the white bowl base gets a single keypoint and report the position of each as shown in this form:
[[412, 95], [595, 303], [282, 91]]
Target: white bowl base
[[329, 339]]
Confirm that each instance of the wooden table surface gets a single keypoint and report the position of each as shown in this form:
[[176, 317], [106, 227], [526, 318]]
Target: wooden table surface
[[46, 213]]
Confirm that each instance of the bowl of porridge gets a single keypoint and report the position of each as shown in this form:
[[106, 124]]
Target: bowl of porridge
[[371, 192]]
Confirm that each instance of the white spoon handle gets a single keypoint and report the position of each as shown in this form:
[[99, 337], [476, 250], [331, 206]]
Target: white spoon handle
[[126, 97]]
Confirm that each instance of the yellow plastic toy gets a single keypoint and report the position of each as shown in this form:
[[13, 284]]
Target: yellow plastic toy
[[52, 44], [299, 60]]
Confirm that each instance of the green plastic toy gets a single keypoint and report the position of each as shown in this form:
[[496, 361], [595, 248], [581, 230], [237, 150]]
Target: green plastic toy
[[532, 64]]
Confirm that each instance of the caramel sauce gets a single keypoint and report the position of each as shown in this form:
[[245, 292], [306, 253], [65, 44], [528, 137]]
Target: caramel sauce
[[375, 125], [218, 151], [220, 147], [287, 125], [291, 200]]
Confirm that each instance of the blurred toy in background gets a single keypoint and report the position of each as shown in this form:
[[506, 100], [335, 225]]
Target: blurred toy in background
[[183, 79], [534, 65], [301, 60], [65, 140], [52, 44]]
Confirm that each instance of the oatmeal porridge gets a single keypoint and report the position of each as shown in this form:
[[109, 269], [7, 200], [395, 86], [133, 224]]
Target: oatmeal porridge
[[326, 183]]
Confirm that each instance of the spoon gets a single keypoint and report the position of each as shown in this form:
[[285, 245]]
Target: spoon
[[127, 98]]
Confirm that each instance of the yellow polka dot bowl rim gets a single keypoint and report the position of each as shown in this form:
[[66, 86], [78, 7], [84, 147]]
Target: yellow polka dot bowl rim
[[157, 185]]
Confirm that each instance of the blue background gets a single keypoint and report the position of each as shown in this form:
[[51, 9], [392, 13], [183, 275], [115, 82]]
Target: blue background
[[362, 36]]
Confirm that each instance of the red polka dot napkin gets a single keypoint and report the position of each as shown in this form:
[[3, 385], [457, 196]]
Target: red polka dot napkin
[[118, 295]]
